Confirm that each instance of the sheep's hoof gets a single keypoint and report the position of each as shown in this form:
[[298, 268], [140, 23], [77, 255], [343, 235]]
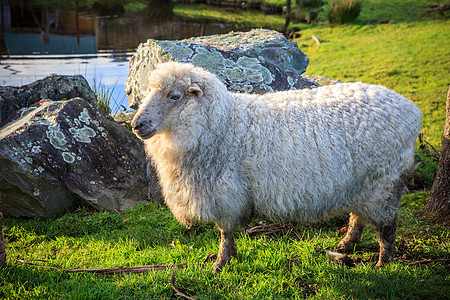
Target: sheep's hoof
[[219, 265], [345, 246], [217, 268], [382, 261]]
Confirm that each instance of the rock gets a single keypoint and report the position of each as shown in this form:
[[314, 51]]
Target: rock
[[271, 45], [63, 153], [321, 80], [125, 117], [54, 87], [258, 61], [2, 244]]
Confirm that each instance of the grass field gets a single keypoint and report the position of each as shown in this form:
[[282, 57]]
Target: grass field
[[410, 55], [230, 15], [289, 263], [411, 58]]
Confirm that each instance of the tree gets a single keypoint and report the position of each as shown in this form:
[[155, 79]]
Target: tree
[[439, 203], [288, 16]]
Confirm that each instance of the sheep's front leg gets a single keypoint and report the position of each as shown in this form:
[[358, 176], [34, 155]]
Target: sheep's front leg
[[227, 249], [355, 229]]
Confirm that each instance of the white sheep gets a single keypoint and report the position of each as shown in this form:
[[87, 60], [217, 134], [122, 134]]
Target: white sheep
[[296, 156]]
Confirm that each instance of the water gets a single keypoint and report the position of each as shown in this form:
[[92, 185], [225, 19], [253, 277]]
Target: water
[[103, 71], [37, 41]]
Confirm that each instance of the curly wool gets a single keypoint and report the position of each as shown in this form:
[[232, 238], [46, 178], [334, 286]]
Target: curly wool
[[296, 156]]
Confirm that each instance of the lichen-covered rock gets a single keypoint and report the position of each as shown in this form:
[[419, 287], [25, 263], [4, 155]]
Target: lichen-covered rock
[[53, 87], [258, 61], [271, 45], [64, 153], [322, 80]]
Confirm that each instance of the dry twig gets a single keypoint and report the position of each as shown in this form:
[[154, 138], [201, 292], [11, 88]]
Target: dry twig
[[110, 271], [178, 292], [427, 261]]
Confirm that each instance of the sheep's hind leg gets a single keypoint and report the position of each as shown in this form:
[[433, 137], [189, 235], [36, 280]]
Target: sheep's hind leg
[[355, 229], [387, 230], [386, 239], [227, 249]]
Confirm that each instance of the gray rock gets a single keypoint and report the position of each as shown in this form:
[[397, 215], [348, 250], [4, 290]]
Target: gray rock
[[271, 45], [258, 61], [54, 87], [63, 153]]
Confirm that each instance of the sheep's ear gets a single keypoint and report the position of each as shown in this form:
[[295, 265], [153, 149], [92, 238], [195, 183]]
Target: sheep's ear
[[195, 90]]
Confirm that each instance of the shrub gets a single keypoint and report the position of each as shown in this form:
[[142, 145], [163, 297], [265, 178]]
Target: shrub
[[309, 3], [344, 11]]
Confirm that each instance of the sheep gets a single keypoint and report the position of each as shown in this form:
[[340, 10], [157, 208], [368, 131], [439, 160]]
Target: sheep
[[295, 156]]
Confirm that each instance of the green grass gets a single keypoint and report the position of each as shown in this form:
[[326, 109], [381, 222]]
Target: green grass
[[270, 2], [410, 58], [104, 96], [408, 55], [381, 11], [396, 10], [274, 266], [229, 15], [134, 6]]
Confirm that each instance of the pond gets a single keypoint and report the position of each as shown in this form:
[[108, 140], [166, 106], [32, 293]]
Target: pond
[[37, 41]]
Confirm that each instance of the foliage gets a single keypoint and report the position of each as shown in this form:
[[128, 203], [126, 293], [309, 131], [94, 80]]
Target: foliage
[[424, 174], [270, 2], [309, 3], [381, 11], [135, 6], [126, 123], [306, 11], [344, 11], [104, 96]]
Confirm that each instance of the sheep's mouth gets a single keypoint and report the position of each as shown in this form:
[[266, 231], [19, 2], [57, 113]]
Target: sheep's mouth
[[144, 134]]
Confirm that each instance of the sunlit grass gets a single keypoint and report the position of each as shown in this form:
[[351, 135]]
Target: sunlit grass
[[105, 96], [135, 6], [229, 15], [411, 59], [274, 266]]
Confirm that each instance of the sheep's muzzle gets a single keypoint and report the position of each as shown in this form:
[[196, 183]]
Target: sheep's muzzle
[[143, 128]]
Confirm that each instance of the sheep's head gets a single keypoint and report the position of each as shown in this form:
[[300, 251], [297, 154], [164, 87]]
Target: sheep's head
[[173, 89]]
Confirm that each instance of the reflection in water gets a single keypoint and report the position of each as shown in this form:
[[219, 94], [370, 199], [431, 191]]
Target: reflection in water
[[36, 41], [108, 71], [110, 33]]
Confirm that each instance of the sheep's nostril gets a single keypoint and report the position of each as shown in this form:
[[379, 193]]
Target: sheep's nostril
[[141, 125], [137, 125]]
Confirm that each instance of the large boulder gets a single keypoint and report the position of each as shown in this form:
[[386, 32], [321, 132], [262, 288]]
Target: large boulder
[[64, 153], [55, 87], [258, 61], [270, 45]]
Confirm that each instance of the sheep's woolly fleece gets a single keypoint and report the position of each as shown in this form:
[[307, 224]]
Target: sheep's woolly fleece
[[295, 156]]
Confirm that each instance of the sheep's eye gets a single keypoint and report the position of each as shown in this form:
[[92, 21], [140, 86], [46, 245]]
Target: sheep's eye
[[175, 96]]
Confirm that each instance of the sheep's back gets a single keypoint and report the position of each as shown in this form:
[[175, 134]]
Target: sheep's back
[[318, 153]]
